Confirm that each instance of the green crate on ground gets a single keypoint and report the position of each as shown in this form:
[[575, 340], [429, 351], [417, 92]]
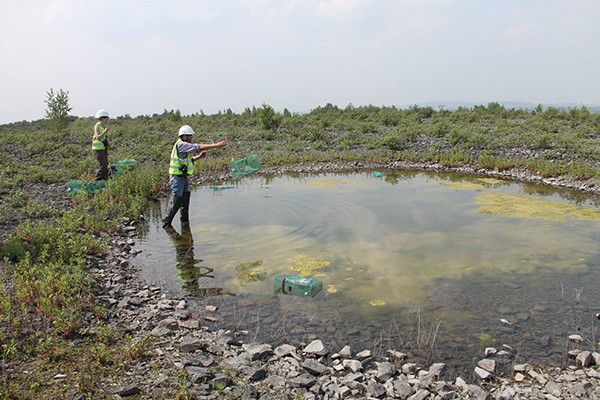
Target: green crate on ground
[[79, 186], [120, 166]]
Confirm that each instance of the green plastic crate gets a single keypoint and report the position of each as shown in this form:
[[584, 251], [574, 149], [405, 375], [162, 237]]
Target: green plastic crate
[[121, 166], [245, 166], [79, 186], [297, 285]]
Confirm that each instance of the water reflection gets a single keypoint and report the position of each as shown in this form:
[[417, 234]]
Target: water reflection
[[188, 270]]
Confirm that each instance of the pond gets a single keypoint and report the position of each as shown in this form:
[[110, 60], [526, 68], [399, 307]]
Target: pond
[[438, 266]]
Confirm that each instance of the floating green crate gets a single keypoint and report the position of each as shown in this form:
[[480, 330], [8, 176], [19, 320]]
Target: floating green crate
[[222, 187]]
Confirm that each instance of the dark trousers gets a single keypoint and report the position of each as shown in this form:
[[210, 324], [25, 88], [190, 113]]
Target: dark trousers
[[102, 171]]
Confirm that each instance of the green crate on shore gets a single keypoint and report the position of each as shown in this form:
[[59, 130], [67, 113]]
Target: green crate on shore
[[79, 186], [120, 166]]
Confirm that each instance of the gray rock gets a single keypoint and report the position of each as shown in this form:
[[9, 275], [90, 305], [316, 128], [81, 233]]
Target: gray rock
[[482, 373], [575, 338], [346, 352], [409, 368], [315, 347], [253, 373], [421, 394], [258, 351], [352, 365], [191, 324], [522, 368], [478, 392], [284, 350], [169, 323], [200, 360], [344, 392], [385, 370], [580, 389], [352, 378], [375, 389], [490, 351], [553, 388], [274, 382], [447, 393], [487, 364], [160, 332], [363, 355], [227, 340], [236, 363], [304, 380], [396, 356], [198, 374], [190, 344], [403, 389], [507, 394], [584, 359], [314, 367], [437, 369], [220, 382], [125, 391]]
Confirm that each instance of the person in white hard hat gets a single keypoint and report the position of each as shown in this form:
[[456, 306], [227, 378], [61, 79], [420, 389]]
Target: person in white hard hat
[[180, 167], [100, 145]]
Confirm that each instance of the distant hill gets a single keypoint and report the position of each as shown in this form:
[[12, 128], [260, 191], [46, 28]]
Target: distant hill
[[454, 105]]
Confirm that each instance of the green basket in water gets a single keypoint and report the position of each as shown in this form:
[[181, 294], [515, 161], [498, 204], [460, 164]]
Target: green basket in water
[[298, 285], [245, 166]]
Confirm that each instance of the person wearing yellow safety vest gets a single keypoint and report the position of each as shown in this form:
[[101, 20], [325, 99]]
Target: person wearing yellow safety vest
[[100, 145], [180, 167]]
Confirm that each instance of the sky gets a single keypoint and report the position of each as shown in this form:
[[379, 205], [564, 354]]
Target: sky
[[144, 57]]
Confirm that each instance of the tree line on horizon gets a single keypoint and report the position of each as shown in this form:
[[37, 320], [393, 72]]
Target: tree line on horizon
[[58, 108]]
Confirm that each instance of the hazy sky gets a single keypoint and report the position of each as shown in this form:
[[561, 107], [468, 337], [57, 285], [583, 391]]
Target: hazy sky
[[141, 57]]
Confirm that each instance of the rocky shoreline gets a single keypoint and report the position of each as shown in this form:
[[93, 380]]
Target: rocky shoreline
[[223, 364]]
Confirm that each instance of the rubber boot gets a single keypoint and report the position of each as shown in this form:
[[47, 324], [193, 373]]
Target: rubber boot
[[177, 202], [184, 215]]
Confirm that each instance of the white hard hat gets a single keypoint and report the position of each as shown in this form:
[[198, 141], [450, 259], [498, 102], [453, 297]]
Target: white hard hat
[[186, 130], [101, 114]]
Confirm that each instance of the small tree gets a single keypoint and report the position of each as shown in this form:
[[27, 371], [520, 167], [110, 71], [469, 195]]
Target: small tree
[[57, 111], [269, 119]]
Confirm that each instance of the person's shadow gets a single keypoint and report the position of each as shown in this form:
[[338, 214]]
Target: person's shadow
[[187, 265]]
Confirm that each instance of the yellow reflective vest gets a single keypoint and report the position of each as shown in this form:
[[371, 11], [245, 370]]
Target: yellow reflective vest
[[177, 163], [98, 144]]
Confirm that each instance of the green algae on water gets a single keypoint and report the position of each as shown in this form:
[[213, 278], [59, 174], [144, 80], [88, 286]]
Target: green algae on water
[[491, 181], [522, 206], [306, 266], [464, 185], [326, 183], [477, 184], [250, 272], [486, 339]]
